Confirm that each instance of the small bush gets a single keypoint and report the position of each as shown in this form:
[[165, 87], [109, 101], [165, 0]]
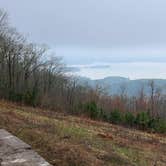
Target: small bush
[[115, 116], [142, 120], [103, 115], [17, 97], [92, 110], [129, 119], [30, 98], [160, 126], [152, 123]]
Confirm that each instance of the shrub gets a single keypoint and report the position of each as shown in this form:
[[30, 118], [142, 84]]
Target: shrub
[[129, 119], [17, 97], [103, 115], [30, 98], [116, 116], [152, 123], [143, 119], [92, 110], [160, 126]]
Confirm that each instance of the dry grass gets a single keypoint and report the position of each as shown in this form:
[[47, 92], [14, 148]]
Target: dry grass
[[72, 141]]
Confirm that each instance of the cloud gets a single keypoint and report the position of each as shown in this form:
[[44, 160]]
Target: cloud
[[134, 70]]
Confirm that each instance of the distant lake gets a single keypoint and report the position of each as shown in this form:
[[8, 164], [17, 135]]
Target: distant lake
[[132, 70]]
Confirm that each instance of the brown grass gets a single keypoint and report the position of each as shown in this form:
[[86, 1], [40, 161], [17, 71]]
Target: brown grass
[[72, 141]]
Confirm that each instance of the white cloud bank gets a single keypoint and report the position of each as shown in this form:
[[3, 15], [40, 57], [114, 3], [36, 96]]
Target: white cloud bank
[[133, 70]]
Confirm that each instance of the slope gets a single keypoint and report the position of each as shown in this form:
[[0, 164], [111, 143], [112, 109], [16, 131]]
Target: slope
[[71, 141]]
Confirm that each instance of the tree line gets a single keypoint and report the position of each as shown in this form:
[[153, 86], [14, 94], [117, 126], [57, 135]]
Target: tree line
[[29, 75]]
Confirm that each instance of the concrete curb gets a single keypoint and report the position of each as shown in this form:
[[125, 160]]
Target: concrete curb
[[14, 152]]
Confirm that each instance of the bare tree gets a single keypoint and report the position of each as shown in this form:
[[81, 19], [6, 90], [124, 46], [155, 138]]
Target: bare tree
[[152, 93]]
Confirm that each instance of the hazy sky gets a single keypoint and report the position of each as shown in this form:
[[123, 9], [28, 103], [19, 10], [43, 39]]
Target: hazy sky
[[92, 31]]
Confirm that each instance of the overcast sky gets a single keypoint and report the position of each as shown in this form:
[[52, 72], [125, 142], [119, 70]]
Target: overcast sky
[[91, 31]]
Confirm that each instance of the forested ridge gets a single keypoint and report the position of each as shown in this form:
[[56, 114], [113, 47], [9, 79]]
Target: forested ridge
[[29, 75]]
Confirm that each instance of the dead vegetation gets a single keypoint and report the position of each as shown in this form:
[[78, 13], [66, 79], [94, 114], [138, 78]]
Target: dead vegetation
[[72, 141]]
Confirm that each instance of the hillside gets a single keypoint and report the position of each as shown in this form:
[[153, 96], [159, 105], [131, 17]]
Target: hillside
[[114, 85], [71, 141]]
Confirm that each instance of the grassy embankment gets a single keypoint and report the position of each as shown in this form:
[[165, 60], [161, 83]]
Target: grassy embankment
[[72, 141]]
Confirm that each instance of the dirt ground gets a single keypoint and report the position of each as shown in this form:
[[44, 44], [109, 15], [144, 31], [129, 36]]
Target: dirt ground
[[71, 141]]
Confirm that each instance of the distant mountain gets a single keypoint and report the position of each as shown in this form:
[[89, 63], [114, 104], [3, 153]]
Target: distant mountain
[[115, 85], [72, 69]]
